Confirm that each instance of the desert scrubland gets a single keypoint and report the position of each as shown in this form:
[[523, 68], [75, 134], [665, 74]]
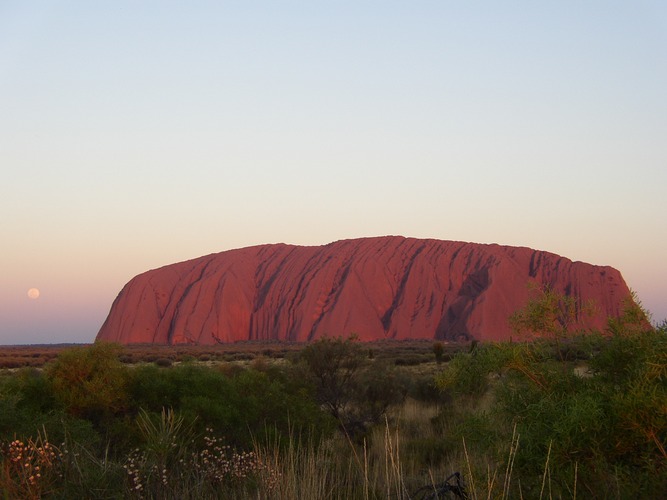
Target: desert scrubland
[[553, 415]]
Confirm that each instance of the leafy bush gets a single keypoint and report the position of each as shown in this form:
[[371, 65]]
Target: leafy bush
[[249, 404], [470, 373], [599, 428], [90, 382]]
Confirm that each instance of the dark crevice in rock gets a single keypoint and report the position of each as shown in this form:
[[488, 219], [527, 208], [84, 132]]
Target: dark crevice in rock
[[398, 296]]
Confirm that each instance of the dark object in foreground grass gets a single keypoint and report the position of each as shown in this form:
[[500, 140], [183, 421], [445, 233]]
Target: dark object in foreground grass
[[443, 490]]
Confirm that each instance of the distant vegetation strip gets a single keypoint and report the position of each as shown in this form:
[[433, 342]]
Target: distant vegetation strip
[[405, 352]]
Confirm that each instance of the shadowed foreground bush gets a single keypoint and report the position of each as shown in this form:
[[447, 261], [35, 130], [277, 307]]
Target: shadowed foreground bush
[[601, 423]]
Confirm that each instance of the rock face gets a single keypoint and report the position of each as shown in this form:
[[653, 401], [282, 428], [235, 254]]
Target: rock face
[[379, 288]]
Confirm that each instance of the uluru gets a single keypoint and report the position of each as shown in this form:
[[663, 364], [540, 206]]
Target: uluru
[[387, 287]]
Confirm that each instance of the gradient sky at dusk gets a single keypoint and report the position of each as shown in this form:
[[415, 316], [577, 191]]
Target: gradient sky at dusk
[[138, 134]]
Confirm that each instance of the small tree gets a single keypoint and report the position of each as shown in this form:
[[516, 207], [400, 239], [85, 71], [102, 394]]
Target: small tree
[[356, 391], [633, 320], [333, 363], [90, 382], [549, 315]]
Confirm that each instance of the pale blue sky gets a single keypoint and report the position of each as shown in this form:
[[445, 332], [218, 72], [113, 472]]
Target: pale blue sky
[[137, 134]]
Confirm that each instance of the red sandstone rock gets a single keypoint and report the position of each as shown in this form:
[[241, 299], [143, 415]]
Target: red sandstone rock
[[386, 287]]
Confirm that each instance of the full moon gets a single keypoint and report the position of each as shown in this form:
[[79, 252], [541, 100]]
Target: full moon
[[33, 293]]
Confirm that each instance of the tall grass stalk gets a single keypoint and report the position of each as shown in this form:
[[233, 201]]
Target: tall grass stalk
[[302, 470], [546, 472], [393, 467], [514, 446], [362, 466], [366, 483], [471, 478], [490, 480]]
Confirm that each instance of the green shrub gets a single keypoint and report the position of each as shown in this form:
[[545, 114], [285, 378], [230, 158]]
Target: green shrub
[[611, 424], [28, 409], [469, 373], [90, 382], [411, 360], [163, 362], [246, 405]]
